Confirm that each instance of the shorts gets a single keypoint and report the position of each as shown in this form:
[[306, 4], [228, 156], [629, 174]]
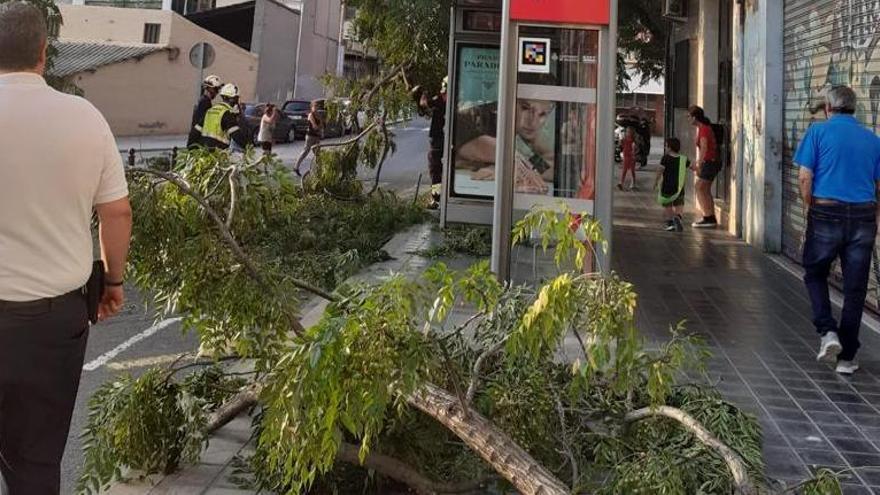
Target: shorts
[[709, 170]]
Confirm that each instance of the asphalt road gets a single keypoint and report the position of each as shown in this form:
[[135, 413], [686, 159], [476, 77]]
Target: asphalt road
[[134, 340]]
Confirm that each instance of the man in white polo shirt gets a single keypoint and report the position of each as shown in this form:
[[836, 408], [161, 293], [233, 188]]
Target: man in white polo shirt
[[58, 164]]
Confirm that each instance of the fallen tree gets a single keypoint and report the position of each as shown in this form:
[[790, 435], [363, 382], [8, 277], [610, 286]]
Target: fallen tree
[[389, 381]]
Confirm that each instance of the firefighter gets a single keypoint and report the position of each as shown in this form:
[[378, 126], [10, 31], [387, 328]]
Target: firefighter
[[436, 108], [223, 124], [210, 87]]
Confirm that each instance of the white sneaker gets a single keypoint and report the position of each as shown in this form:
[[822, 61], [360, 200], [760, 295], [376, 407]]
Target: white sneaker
[[847, 367], [829, 348]]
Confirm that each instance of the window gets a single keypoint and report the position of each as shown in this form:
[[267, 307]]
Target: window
[[681, 75], [151, 32]]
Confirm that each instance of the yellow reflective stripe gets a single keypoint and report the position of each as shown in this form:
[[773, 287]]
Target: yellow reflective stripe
[[232, 129]]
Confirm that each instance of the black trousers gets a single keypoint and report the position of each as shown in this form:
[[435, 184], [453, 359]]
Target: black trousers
[[42, 347]]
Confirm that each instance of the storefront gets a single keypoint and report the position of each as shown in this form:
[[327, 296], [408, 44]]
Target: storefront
[[531, 89], [827, 42]]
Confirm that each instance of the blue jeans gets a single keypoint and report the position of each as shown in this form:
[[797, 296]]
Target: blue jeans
[[846, 231]]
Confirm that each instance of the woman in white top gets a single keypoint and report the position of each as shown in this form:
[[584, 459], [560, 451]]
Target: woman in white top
[[267, 128]]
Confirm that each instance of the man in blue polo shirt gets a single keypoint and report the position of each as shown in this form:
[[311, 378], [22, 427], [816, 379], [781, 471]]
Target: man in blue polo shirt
[[839, 181]]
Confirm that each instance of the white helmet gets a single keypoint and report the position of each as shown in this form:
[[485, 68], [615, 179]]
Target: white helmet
[[229, 91], [212, 81]]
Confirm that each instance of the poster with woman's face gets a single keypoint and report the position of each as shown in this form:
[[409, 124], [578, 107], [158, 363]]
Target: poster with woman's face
[[554, 148]]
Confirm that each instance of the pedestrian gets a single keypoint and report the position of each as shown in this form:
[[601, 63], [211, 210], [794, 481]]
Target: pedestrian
[[670, 184], [313, 135], [223, 125], [210, 87], [266, 135], [706, 166], [436, 107], [839, 180], [54, 172], [628, 151]]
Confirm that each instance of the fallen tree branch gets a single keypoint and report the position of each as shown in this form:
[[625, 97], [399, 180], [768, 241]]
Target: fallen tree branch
[[494, 446], [399, 471], [478, 369], [347, 142], [227, 236], [393, 74], [386, 149], [742, 483], [241, 401], [233, 195], [383, 464]]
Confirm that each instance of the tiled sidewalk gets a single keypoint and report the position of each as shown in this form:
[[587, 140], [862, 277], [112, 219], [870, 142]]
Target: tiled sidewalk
[[755, 316]]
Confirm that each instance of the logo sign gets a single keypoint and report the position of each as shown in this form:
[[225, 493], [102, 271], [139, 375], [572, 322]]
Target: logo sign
[[562, 11], [534, 55]]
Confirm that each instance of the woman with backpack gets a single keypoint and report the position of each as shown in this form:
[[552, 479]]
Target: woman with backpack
[[707, 165]]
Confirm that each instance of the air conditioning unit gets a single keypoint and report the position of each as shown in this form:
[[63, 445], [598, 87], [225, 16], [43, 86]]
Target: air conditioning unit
[[675, 10]]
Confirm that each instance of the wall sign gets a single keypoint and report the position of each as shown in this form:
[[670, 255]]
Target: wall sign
[[534, 55], [562, 11]]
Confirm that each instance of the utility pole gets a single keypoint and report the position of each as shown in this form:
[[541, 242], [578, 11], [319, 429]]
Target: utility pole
[[340, 50], [302, 14]]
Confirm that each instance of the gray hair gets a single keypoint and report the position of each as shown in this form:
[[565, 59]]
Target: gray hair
[[23, 34], [841, 99]]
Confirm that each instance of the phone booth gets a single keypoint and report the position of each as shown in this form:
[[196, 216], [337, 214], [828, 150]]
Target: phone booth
[[532, 117]]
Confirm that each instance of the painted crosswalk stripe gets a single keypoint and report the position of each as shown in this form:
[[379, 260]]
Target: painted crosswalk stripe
[[107, 356]]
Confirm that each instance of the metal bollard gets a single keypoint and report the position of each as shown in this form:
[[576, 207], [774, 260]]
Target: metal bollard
[[131, 157]]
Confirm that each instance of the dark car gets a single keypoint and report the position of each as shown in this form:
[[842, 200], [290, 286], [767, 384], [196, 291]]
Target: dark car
[[285, 129], [298, 112]]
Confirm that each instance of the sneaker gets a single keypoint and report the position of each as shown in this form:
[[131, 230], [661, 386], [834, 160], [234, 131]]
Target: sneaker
[[670, 226], [620, 186], [829, 348], [705, 223], [633, 188], [847, 367], [676, 222]]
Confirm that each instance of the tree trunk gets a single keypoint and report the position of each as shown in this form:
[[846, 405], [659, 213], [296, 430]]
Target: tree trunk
[[494, 446]]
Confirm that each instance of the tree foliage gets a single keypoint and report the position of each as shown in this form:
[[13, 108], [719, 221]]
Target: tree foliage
[[642, 32]]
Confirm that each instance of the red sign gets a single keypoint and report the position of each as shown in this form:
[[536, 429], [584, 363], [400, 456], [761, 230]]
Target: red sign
[[562, 11]]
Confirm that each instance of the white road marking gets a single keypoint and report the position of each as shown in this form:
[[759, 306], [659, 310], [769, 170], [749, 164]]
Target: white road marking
[[107, 356], [142, 362]]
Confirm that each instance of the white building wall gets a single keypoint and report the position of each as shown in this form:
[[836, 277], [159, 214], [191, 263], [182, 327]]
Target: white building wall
[[759, 145]]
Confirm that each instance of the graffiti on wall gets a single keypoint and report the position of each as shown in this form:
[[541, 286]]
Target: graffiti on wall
[[837, 43]]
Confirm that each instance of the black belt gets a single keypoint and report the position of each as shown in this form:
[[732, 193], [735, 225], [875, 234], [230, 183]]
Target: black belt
[[47, 302], [834, 202]]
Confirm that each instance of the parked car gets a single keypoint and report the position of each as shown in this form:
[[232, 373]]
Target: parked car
[[285, 130], [298, 112]]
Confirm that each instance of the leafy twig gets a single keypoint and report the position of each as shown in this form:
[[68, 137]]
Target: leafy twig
[[233, 195], [743, 484], [478, 368], [227, 236]]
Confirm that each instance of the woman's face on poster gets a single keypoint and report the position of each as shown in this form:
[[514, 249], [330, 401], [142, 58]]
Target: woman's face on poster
[[530, 117]]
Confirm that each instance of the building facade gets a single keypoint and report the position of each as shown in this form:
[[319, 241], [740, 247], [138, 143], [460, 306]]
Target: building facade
[[151, 93], [783, 55]]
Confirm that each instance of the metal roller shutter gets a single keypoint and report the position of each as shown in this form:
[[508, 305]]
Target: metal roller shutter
[[826, 42]]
